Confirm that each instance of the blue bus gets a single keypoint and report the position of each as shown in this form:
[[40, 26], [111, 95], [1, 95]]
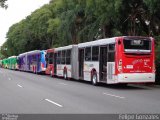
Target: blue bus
[[33, 61]]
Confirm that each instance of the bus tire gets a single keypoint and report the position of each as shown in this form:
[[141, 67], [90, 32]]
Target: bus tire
[[94, 78], [33, 69], [65, 75], [36, 70], [51, 73]]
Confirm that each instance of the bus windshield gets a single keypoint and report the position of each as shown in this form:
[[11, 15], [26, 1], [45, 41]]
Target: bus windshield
[[137, 45]]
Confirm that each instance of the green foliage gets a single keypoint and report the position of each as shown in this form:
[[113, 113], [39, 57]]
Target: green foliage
[[1, 56], [3, 4], [64, 22]]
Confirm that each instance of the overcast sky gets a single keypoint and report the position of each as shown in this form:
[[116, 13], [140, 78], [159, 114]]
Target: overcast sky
[[17, 10]]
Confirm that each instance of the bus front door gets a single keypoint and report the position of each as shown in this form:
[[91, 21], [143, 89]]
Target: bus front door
[[103, 63], [55, 63]]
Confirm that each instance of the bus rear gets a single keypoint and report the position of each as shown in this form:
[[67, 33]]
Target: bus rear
[[135, 60]]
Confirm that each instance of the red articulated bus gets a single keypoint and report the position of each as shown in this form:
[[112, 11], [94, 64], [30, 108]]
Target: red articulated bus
[[125, 59]]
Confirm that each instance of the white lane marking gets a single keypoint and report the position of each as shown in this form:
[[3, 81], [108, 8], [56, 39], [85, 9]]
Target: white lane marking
[[9, 78], [20, 86], [114, 95], [62, 83], [54, 103]]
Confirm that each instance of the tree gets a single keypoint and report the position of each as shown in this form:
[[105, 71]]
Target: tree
[[71, 14], [64, 22], [153, 16], [3, 4]]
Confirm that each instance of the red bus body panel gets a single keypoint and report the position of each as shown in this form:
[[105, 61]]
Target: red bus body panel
[[134, 66], [50, 67]]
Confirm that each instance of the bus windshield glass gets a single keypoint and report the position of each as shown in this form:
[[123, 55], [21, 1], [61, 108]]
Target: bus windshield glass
[[137, 45]]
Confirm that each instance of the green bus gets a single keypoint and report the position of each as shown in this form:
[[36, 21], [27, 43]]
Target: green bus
[[5, 63], [13, 62], [0, 63]]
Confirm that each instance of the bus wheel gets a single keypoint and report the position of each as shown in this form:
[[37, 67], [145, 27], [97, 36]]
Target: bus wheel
[[65, 74], [35, 72], [94, 78], [51, 73]]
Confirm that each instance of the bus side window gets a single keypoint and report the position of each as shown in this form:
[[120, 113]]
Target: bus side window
[[95, 53], [111, 53], [63, 57], [46, 57], [28, 59], [111, 47], [59, 57], [68, 57], [119, 42], [51, 58], [88, 54], [39, 58]]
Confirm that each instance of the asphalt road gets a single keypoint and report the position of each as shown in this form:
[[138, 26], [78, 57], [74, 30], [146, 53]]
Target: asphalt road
[[22, 92]]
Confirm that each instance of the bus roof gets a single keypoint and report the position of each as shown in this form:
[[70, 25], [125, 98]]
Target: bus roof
[[33, 52], [22, 54], [98, 42], [137, 37], [64, 48], [12, 57], [30, 52], [50, 50]]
